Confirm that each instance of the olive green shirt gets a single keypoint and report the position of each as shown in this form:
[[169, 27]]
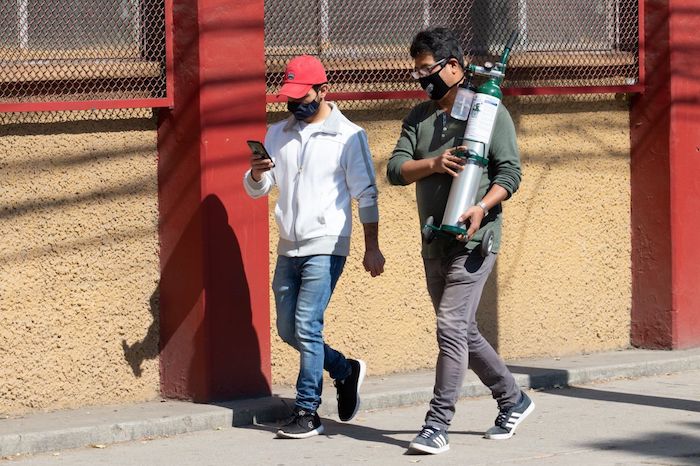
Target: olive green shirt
[[427, 132]]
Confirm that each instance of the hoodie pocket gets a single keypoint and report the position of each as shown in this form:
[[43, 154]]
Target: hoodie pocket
[[311, 223]]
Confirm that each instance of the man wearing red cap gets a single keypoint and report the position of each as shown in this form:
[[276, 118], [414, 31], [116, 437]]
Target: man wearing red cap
[[320, 162]]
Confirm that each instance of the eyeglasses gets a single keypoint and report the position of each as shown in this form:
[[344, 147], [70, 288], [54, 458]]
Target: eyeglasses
[[427, 70]]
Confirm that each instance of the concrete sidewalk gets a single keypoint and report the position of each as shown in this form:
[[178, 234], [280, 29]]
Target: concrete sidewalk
[[632, 421], [39, 433]]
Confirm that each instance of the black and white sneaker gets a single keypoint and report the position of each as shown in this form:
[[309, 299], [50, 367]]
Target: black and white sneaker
[[348, 395], [508, 419], [302, 425], [430, 440]]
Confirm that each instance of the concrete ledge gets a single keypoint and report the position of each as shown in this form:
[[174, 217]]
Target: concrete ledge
[[39, 433], [44, 432]]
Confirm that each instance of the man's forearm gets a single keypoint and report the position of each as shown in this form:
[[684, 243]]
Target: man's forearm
[[494, 196], [371, 235], [414, 170]]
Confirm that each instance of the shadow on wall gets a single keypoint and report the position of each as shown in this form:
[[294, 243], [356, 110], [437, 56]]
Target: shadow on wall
[[147, 348], [487, 313], [207, 334], [519, 107], [227, 330]]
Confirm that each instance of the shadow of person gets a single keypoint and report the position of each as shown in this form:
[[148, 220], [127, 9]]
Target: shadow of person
[[233, 346], [362, 432], [147, 348], [209, 347]]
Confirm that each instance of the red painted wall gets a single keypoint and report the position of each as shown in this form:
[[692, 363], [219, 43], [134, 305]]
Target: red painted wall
[[665, 169], [214, 311], [685, 170]]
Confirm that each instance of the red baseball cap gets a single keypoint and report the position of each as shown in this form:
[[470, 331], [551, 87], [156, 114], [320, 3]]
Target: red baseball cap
[[302, 72]]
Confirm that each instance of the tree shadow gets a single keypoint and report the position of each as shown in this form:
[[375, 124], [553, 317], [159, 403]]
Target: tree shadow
[[553, 380], [628, 398], [681, 448]]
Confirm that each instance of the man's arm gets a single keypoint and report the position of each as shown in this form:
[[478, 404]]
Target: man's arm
[[373, 260], [259, 179], [257, 187], [475, 214], [404, 169], [360, 177], [414, 170], [403, 153]]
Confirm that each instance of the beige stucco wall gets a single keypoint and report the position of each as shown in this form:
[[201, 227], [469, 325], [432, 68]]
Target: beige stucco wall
[[562, 281], [78, 260], [79, 255]]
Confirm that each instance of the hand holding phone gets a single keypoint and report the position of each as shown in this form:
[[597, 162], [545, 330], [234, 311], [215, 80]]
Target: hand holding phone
[[261, 161], [259, 151]]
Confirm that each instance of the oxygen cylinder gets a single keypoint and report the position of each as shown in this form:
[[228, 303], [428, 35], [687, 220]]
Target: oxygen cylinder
[[477, 138], [463, 101]]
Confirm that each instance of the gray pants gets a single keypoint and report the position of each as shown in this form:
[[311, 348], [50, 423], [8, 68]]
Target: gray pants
[[455, 285]]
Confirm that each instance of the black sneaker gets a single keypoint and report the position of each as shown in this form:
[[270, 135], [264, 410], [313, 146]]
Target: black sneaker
[[349, 390], [430, 440], [508, 419], [302, 425]]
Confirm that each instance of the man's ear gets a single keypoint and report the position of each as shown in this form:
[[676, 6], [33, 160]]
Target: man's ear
[[323, 90]]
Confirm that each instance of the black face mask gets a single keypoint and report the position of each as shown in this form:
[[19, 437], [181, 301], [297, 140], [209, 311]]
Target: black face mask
[[434, 86], [303, 111]]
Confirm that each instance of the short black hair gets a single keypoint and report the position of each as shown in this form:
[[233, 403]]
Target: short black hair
[[441, 43]]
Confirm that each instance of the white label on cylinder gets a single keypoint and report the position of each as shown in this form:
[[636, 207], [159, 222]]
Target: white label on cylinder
[[482, 118]]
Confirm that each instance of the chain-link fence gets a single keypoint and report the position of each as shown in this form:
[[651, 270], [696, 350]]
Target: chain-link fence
[[364, 44], [113, 51], [81, 50]]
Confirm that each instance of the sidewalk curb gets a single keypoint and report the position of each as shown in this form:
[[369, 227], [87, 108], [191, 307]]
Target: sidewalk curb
[[162, 419], [108, 433]]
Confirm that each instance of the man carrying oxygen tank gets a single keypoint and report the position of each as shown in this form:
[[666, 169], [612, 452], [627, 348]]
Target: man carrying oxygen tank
[[456, 270]]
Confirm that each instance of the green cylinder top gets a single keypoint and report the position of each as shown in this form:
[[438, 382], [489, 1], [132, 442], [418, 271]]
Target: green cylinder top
[[491, 87]]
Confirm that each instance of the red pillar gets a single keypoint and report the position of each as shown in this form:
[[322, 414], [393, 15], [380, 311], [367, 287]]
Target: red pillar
[[214, 311], [665, 137]]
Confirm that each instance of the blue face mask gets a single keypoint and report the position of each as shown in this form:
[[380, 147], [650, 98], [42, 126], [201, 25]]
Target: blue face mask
[[303, 111]]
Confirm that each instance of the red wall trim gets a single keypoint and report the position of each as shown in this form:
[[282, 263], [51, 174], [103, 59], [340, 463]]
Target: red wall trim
[[642, 45], [169, 56], [565, 90], [84, 105], [407, 95]]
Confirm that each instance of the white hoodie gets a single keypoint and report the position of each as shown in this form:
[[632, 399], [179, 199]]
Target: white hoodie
[[317, 173]]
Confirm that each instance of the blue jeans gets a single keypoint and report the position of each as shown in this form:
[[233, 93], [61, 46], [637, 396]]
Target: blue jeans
[[303, 288]]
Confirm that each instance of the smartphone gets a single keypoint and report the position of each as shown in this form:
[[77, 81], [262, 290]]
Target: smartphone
[[259, 150]]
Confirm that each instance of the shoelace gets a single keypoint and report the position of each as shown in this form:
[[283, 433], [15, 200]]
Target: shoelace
[[426, 432], [502, 417], [338, 384]]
